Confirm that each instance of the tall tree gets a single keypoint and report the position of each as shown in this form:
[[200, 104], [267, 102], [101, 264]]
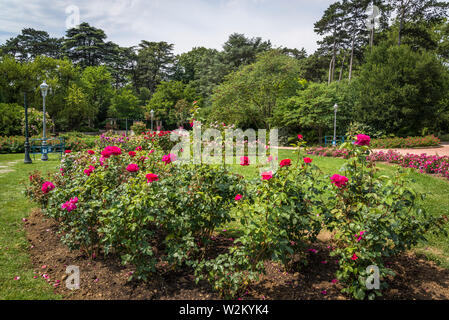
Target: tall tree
[[331, 24], [154, 64], [251, 95], [96, 83], [32, 43], [187, 64], [418, 10], [240, 50], [85, 45]]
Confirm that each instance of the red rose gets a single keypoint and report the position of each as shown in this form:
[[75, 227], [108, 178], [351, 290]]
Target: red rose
[[151, 177], [307, 160], [285, 163], [244, 161]]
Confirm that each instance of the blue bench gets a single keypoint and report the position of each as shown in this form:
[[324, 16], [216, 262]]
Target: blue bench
[[330, 140], [51, 147]]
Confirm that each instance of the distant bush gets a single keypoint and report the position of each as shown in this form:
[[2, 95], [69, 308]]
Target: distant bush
[[409, 142], [139, 127], [444, 137]]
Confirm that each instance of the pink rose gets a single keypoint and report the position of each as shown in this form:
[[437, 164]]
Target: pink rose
[[47, 187], [267, 175], [363, 140], [339, 181], [169, 158], [132, 167]]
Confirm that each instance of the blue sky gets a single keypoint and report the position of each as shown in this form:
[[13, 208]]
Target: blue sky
[[186, 23]]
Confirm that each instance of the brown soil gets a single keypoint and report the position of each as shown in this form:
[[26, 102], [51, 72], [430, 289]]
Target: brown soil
[[106, 278]]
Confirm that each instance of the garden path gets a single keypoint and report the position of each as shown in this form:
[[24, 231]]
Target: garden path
[[6, 167], [440, 151]]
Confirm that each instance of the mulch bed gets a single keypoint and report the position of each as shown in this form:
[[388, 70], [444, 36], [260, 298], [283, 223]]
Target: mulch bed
[[106, 279]]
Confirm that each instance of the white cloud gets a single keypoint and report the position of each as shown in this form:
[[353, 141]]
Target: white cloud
[[186, 23]]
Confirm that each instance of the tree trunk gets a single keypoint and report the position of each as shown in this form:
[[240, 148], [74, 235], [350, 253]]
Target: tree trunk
[[330, 70], [352, 58], [401, 25], [342, 66]]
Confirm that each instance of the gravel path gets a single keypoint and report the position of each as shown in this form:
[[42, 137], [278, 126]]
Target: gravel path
[[441, 151]]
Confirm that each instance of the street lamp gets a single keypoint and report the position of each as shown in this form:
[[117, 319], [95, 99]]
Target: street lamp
[[44, 90], [152, 116], [334, 143]]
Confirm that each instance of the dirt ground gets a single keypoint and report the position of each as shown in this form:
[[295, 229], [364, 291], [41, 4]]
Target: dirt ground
[[106, 279]]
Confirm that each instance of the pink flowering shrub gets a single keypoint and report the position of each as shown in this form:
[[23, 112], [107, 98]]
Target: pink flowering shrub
[[328, 152], [103, 209], [373, 218], [424, 163], [280, 214]]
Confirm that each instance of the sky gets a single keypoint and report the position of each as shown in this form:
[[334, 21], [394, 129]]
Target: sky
[[185, 23]]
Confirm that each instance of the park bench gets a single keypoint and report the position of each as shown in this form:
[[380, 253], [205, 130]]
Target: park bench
[[54, 145], [330, 140]]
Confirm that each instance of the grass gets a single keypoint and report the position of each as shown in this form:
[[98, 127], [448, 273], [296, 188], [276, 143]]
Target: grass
[[15, 260], [14, 257]]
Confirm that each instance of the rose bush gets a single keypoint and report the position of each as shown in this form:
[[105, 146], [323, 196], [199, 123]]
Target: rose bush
[[134, 200], [373, 218]]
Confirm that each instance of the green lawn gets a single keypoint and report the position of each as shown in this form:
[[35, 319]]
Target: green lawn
[[15, 261], [14, 257]]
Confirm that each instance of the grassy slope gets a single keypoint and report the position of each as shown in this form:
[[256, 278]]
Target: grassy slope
[[14, 258]]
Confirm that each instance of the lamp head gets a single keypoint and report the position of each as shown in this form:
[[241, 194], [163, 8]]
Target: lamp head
[[44, 89]]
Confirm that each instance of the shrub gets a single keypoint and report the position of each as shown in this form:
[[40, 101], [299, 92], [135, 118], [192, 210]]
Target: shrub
[[280, 217], [139, 128], [409, 142], [374, 218]]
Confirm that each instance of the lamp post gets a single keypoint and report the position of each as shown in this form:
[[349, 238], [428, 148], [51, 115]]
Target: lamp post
[[152, 117], [334, 142], [27, 159], [44, 90]]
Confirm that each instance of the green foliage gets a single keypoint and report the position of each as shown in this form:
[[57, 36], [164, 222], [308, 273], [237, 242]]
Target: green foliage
[[250, 97], [154, 64], [30, 44], [409, 142], [312, 107], [280, 217], [125, 104], [10, 119], [165, 100], [139, 127], [401, 91], [97, 85]]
